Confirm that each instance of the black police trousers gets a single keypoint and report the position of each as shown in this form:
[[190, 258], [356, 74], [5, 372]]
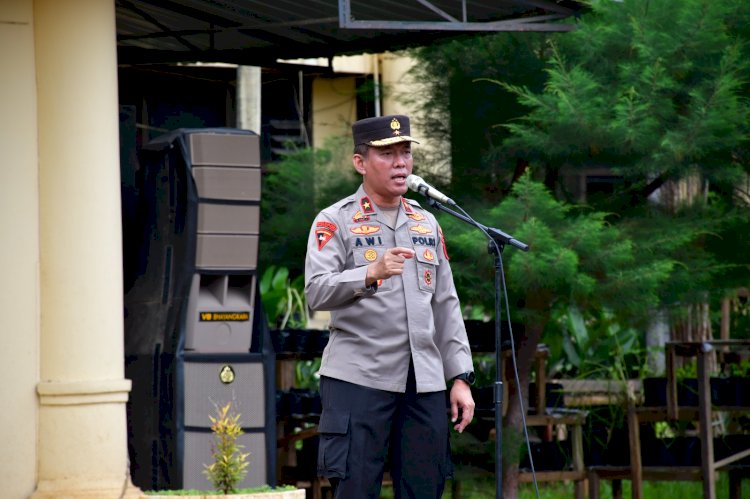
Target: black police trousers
[[361, 429]]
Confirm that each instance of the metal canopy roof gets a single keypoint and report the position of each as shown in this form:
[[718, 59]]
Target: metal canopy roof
[[258, 32]]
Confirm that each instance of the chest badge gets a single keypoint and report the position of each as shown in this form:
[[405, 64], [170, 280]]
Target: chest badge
[[428, 255], [420, 229], [407, 206], [360, 217], [365, 230], [366, 205], [371, 255], [428, 277], [417, 217]]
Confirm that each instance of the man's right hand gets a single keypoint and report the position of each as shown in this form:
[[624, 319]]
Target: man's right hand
[[390, 264]]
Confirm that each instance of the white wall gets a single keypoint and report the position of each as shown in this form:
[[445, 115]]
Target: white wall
[[19, 251]]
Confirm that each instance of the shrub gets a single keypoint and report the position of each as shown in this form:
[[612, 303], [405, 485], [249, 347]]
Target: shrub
[[230, 463]]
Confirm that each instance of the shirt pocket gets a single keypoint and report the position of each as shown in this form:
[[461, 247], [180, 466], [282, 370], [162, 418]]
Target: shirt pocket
[[333, 450], [427, 263], [365, 256]]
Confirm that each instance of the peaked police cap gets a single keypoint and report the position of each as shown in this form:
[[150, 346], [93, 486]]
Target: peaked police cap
[[382, 130]]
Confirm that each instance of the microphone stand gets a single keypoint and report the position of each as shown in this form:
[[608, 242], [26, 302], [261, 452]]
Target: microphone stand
[[494, 247]]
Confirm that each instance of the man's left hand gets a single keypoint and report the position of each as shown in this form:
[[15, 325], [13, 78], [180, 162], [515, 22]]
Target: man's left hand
[[461, 399]]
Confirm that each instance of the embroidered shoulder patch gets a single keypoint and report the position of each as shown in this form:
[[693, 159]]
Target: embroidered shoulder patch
[[324, 231], [442, 241]]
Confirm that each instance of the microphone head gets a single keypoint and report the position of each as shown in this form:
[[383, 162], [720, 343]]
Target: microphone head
[[413, 182]]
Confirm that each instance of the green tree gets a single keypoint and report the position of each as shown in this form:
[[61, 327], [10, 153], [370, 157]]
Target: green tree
[[576, 258], [652, 90], [295, 189], [655, 92], [462, 111]]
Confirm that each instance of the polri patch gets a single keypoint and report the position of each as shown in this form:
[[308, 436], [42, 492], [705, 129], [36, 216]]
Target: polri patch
[[324, 231]]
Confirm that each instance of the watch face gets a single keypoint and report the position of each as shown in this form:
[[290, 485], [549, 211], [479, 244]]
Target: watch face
[[470, 378]]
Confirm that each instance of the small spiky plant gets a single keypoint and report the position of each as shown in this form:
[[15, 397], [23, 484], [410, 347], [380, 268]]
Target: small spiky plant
[[230, 463]]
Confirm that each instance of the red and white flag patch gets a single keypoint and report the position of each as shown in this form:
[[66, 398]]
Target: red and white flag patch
[[324, 231]]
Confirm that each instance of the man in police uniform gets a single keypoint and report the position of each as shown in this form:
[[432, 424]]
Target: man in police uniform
[[378, 262]]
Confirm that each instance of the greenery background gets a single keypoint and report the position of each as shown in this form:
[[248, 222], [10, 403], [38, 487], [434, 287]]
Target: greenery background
[[655, 91]]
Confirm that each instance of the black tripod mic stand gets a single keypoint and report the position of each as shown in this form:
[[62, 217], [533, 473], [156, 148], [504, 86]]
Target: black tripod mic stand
[[496, 245]]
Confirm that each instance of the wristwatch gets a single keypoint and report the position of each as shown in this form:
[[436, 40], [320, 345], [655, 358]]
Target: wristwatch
[[468, 377]]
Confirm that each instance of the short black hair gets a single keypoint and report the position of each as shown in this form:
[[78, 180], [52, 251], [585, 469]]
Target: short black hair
[[361, 149]]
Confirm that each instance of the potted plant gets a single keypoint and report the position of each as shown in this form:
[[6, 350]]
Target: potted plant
[[732, 389], [229, 466]]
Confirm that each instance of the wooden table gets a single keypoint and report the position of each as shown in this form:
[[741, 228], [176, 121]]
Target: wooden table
[[703, 414]]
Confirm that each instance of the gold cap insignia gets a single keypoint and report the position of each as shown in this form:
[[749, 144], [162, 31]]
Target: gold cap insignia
[[396, 126], [226, 375]]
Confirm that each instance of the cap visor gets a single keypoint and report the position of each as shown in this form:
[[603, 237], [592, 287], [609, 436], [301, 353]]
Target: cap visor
[[391, 140]]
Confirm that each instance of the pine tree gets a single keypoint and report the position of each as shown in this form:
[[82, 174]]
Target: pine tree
[[653, 90], [656, 92]]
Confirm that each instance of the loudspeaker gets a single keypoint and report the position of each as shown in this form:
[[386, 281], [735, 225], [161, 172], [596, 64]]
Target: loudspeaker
[[210, 382], [195, 335]]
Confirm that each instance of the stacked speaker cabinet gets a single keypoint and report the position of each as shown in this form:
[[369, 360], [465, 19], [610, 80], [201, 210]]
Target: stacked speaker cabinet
[[195, 334]]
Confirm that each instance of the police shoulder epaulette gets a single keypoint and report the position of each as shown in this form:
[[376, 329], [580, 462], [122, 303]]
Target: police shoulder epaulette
[[413, 202], [340, 203]]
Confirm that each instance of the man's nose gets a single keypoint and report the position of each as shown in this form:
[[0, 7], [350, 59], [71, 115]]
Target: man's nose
[[400, 159]]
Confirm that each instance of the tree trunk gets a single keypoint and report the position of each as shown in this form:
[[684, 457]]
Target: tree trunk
[[657, 334], [692, 323]]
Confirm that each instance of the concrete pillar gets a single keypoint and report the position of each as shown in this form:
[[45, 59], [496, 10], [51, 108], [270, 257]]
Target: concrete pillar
[[19, 252], [249, 98], [82, 436], [334, 109]]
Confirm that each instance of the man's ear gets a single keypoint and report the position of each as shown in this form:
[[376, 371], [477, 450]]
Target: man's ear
[[359, 164]]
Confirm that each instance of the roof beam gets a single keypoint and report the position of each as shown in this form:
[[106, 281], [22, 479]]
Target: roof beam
[[149, 18], [530, 23]]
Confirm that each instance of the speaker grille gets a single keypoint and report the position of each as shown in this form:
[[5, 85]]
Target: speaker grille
[[198, 449], [205, 391]]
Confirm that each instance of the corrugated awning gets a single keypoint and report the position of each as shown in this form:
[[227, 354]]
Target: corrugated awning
[[260, 32]]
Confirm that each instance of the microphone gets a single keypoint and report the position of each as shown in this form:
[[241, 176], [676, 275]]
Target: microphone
[[417, 184]]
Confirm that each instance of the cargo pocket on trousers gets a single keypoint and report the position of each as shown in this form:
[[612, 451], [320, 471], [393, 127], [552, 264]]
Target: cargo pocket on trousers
[[333, 451]]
